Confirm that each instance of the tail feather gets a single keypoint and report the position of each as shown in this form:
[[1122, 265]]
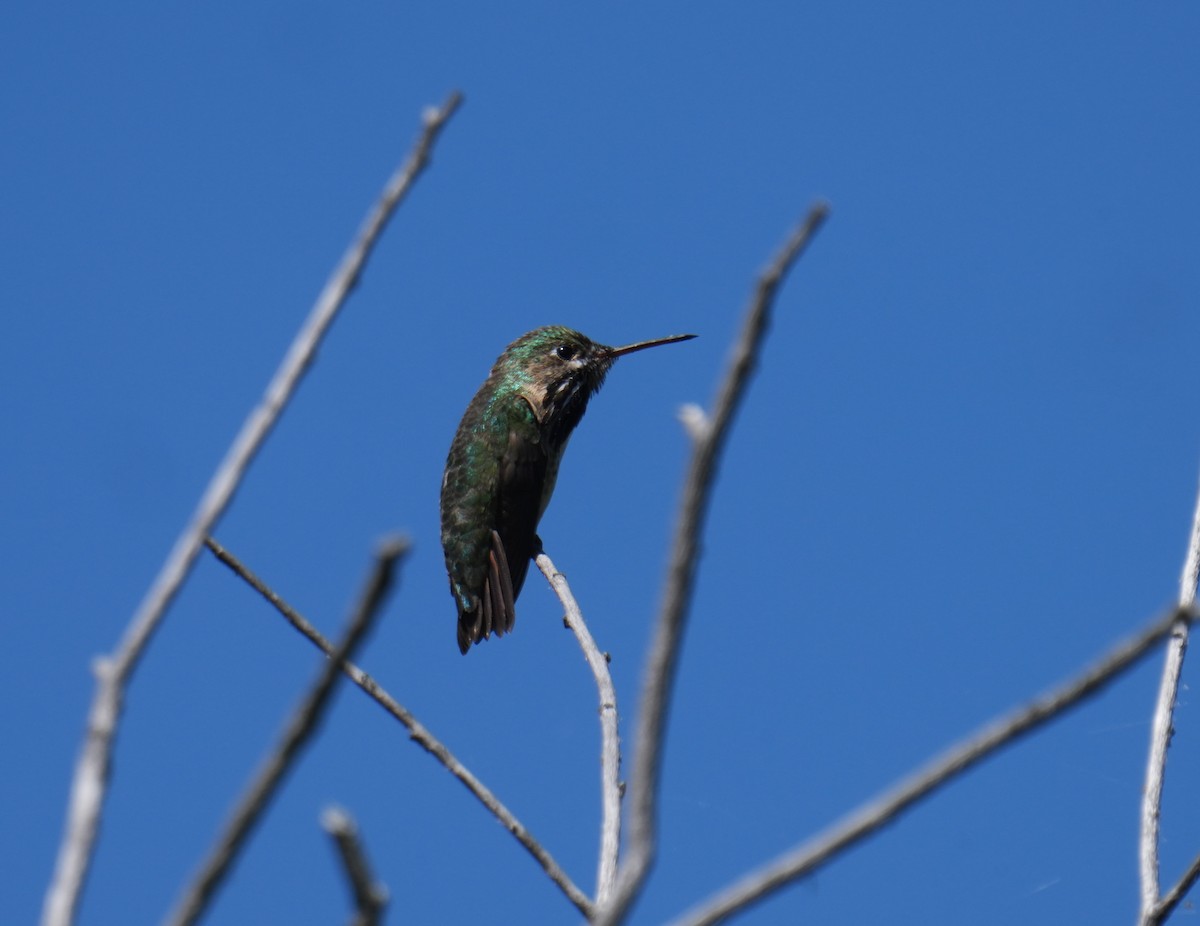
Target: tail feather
[[494, 610]]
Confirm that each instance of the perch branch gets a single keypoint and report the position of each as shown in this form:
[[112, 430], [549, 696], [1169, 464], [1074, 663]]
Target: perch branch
[[657, 683], [610, 743], [813, 854], [300, 728], [417, 733], [94, 765]]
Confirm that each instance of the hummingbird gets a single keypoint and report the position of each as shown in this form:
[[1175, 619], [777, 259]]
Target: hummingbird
[[503, 464]]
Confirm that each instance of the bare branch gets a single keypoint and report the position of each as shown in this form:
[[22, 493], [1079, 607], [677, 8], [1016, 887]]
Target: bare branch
[[294, 617], [419, 734], [370, 896], [658, 681], [300, 728], [1160, 739], [816, 852], [93, 767], [1161, 730], [1172, 898], [610, 744]]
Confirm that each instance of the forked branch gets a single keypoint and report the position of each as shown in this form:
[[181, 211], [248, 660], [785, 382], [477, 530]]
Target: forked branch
[[1153, 910], [709, 435]]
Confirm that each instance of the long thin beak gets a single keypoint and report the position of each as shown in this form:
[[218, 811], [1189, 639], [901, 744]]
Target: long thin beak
[[642, 345]]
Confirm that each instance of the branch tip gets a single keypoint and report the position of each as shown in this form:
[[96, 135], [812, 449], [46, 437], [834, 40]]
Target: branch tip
[[708, 433]]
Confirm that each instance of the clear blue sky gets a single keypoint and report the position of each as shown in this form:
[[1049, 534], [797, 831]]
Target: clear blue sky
[[967, 465]]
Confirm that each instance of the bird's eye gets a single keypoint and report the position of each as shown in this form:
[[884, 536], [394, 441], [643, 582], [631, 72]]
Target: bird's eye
[[565, 352]]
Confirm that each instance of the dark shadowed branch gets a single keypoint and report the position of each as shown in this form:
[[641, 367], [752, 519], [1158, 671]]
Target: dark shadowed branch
[[708, 436], [1152, 910], [418, 733], [370, 896], [93, 767], [299, 730], [610, 744], [818, 851]]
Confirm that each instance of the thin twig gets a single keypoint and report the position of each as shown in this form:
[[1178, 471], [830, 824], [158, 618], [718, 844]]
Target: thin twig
[[658, 680], [610, 744], [816, 852], [370, 896], [1161, 729], [93, 767], [300, 728], [418, 734], [1172, 897]]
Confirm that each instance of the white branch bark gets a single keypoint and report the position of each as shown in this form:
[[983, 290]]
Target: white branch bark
[[610, 744], [1151, 911]]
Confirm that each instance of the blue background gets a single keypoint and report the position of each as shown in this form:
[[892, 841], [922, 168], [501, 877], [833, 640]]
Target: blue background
[[966, 467]]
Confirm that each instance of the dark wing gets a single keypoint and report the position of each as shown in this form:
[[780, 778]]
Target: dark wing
[[522, 481], [468, 505]]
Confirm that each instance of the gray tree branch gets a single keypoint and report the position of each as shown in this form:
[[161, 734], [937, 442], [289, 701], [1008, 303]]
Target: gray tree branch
[[1172, 897], [709, 436], [418, 733], [1152, 910], [93, 767], [370, 896], [610, 743], [871, 816], [299, 730]]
